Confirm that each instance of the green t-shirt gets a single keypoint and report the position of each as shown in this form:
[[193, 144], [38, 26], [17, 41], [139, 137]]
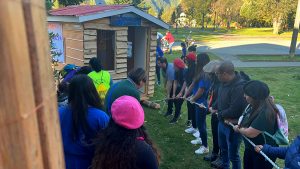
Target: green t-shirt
[[263, 124]]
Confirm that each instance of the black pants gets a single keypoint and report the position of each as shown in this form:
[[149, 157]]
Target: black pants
[[191, 113], [157, 69], [214, 130], [177, 103], [254, 160]]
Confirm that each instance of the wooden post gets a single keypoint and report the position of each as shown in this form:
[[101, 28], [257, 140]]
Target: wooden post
[[295, 32], [29, 128], [44, 85]]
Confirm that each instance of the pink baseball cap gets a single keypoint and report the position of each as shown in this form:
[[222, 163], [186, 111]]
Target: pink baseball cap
[[127, 112]]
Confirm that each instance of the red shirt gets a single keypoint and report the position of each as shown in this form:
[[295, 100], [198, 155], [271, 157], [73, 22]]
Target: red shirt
[[169, 37]]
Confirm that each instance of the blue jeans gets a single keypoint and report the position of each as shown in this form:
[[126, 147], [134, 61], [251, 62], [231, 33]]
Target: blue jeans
[[170, 47], [229, 142], [201, 124]]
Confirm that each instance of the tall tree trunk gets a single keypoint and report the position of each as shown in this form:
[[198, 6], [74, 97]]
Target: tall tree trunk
[[228, 24], [215, 18], [202, 21], [277, 25]]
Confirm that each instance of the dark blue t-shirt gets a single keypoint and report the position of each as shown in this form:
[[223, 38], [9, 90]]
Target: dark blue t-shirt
[[79, 152], [205, 84]]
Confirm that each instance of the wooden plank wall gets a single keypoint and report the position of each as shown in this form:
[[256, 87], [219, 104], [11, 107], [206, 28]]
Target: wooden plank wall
[[73, 41], [90, 45], [29, 124], [152, 62]]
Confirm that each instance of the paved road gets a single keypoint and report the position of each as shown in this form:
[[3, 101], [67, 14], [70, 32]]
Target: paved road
[[229, 48]]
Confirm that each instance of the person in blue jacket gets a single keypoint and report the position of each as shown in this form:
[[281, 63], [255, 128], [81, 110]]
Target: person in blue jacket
[[159, 54], [81, 120], [290, 154]]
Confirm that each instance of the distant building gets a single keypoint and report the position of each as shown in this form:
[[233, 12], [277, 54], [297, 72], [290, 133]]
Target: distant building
[[184, 21]]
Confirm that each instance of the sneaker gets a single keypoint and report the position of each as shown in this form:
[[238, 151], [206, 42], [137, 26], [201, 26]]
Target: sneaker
[[196, 141], [210, 157], [218, 163], [190, 130], [196, 134], [188, 123], [202, 150], [173, 121]]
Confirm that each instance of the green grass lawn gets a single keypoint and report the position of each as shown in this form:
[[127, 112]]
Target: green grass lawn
[[271, 58], [174, 144], [258, 32], [209, 34]]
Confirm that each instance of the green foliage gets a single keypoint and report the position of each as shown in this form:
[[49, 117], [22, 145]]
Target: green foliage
[[160, 13], [273, 11], [197, 9], [134, 2], [48, 5], [53, 53], [70, 2]]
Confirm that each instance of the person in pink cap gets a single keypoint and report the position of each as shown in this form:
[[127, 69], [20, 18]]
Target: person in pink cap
[[125, 144]]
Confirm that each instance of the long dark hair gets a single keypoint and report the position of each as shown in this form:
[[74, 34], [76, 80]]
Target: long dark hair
[[82, 94], [202, 60], [257, 106], [116, 148], [191, 69], [95, 63]]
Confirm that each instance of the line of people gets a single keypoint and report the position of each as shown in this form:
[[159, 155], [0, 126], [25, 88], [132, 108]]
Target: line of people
[[105, 132], [227, 95]]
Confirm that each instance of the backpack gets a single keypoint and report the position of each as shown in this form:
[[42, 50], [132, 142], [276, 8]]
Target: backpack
[[102, 88], [281, 134]]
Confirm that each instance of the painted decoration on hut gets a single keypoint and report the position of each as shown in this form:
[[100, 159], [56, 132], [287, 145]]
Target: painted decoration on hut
[[56, 42], [125, 20]]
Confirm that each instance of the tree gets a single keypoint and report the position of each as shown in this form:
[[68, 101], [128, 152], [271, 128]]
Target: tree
[[134, 2], [70, 2], [227, 10], [273, 11], [167, 14], [159, 15], [175, 15], [199, 8]]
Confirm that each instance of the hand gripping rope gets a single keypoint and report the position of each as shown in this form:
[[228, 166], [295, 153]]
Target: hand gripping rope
[[261, 152], [187, 99]]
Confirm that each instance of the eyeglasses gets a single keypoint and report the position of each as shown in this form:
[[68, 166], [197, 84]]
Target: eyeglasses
[[219, 73]]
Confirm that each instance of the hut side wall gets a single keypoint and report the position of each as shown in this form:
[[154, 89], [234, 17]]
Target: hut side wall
[[73, 41], [152, 61]]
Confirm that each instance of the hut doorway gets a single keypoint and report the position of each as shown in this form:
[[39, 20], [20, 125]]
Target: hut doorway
[[137, 48]]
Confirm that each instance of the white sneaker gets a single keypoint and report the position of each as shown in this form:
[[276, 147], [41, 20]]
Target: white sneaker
[[190, 130], [202, 150], [196, 134], [196, 141]]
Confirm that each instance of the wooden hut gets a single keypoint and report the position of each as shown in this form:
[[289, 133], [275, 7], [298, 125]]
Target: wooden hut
[[122, 36]]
